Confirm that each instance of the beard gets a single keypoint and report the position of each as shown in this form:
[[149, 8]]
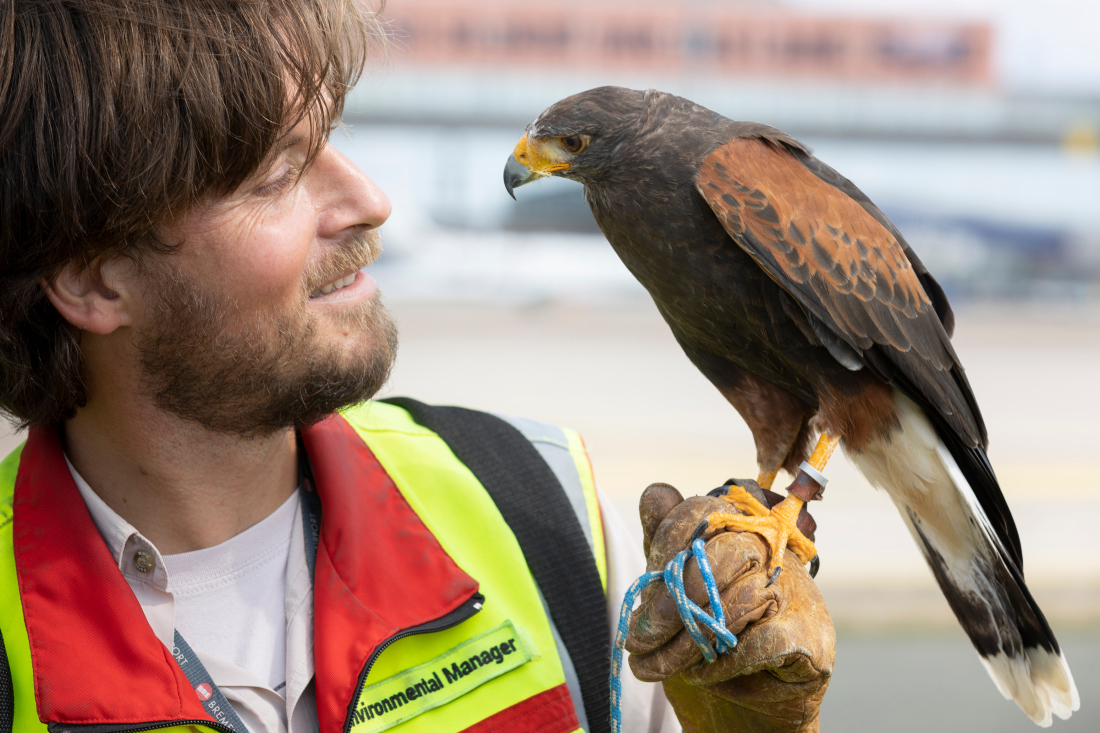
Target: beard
[[204, 359]]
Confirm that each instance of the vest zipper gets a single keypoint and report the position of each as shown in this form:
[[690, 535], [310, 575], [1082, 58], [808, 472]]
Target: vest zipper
[[452, 619], [133, 727]]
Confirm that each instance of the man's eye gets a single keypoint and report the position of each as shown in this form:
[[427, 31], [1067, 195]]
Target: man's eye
[[573, 144], [278, 183]]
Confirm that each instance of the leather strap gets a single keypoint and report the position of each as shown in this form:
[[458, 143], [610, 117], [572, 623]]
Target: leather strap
[[806, 488]]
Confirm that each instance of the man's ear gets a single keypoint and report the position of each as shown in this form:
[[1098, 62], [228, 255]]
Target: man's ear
[[95, 297]]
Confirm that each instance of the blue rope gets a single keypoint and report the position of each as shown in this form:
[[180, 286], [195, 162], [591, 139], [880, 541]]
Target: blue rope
[[692, 615]]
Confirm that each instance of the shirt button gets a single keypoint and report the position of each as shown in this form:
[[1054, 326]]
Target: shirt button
[[144, 561]]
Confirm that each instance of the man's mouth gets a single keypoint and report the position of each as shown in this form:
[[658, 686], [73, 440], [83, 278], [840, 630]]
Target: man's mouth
[[341, 282]]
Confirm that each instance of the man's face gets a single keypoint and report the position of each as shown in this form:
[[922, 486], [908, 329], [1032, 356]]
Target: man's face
[[263, 318]]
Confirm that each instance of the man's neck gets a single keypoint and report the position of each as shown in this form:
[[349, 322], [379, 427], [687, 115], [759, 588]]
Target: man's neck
[[183, 487]]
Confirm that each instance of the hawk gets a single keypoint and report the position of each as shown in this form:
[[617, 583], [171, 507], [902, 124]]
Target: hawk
[[804, 305]]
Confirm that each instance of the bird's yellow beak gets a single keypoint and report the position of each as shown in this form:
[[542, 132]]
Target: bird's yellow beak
[[530, 160], [540, 156]]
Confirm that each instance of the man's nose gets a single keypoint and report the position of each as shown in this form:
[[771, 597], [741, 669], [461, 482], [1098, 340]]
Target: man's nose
[[350, 199]]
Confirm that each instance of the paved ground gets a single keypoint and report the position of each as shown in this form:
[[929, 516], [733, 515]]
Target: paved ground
[[616, 375], [924, 684]]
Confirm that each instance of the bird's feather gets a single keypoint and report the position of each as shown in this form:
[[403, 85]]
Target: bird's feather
[[974, 569], [824, 243], [842, 264], [833, 178]]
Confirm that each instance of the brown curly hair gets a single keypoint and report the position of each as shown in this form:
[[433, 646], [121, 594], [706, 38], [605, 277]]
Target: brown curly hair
[[118, 114]]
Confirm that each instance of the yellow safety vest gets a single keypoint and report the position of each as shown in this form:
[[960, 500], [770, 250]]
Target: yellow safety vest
[[409, 543]]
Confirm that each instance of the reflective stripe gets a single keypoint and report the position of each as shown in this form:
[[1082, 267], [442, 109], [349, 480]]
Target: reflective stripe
[[588, 483], [572, 681], [563, 450]]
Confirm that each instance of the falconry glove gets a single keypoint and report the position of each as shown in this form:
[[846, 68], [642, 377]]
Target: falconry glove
[[775, 678]]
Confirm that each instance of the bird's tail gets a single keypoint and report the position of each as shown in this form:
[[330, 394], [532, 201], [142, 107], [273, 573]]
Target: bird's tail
[[983, 585]]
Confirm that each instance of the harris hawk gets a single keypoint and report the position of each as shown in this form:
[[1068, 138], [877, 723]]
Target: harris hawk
[[804, 305]]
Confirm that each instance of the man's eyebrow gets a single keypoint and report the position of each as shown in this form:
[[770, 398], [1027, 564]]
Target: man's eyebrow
[[291, 140], [281, 147]]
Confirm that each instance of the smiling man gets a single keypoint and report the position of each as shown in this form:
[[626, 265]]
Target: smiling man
[[210, 525]]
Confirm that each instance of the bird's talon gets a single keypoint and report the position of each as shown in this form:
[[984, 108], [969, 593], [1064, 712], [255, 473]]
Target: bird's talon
[[700, 530], [775, 574], [815, 565]]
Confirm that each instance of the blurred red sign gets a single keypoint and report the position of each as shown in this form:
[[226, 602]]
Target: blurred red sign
[[689, 38]]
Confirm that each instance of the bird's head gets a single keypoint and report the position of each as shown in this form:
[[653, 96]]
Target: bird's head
[[577, 137]]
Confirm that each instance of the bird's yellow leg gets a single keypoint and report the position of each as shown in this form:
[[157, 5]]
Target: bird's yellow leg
[[767, 478], [823, 451], [777, 526]]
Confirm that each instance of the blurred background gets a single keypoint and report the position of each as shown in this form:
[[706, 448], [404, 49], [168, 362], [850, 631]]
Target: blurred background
[[974, 124]]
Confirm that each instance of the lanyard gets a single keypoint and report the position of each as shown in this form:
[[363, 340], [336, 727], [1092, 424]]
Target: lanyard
[[212, 698], [217, 707]]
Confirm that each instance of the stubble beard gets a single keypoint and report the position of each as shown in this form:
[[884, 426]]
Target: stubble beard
[[204, 361]]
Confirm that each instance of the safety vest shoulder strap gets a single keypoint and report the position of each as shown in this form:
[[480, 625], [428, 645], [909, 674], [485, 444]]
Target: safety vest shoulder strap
[[565, 454], [541, 516]]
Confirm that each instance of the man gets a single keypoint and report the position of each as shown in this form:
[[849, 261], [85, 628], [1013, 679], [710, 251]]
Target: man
[[191, 536]]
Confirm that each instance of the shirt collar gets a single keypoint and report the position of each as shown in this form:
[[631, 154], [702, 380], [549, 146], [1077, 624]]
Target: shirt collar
[[137, 557]]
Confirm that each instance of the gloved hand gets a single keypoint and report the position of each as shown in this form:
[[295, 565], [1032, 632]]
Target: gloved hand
[[776, 676]]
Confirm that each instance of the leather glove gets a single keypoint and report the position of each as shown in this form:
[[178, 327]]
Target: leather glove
[[776, 676]]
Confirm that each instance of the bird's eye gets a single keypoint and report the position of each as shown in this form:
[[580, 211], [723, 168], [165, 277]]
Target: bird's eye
[[573, 144]]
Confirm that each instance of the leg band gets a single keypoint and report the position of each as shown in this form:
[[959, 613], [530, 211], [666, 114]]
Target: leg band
[[805, 486]]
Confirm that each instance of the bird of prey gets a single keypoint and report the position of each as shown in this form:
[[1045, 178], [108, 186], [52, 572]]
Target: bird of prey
[[804, 305]]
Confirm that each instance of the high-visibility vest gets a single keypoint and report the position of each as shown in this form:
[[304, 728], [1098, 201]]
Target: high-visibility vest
[[426, 617]]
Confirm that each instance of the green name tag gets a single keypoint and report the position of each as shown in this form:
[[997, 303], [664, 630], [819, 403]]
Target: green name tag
[[450, 675]]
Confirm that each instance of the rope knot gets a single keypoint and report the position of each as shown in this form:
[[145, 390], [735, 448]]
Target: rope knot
[[690, 612]]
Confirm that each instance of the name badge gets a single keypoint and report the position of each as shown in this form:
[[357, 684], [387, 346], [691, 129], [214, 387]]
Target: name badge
[[447, 677]]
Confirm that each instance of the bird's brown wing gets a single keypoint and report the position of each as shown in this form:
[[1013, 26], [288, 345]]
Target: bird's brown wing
[[843, 266]]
